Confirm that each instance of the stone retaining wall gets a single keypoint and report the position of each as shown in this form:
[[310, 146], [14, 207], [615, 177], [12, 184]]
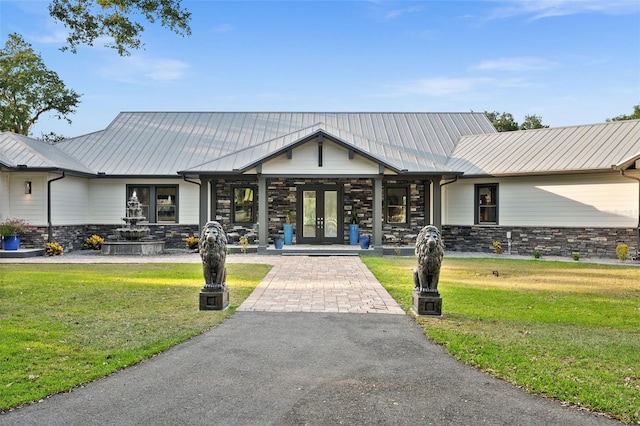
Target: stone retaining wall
[[552, 241], [72, 237]]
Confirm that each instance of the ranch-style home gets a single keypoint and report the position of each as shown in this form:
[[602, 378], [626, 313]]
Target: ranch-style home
[[557, 191]]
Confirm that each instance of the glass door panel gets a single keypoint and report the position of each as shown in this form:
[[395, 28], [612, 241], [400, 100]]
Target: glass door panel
[[331, 214], [309, 214]]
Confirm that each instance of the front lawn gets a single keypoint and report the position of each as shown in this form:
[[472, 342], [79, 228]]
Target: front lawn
[[64, 325], [570, 331]]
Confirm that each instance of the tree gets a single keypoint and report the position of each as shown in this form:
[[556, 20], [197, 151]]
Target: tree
[[504, 122], [533, 122], [28, 89], [89, 20], [634, 116]]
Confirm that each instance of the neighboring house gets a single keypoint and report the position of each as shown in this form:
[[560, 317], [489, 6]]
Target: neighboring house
[[554, 190]]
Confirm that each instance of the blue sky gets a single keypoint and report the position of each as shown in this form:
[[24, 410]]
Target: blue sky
[[570, 61]]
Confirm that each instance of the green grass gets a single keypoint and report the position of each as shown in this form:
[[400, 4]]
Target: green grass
[[568, 331], [64, 325]]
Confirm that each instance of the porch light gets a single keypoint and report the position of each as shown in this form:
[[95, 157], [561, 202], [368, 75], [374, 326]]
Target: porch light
[[27, 187]]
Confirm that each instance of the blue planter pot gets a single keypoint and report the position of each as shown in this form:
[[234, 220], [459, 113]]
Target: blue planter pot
[[288, 234], [365, 241], [278, 243], [354, 230], [10, 242]]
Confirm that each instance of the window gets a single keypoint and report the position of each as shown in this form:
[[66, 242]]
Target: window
[[159, 203], [396, 204], [486, 209], [244, 207]]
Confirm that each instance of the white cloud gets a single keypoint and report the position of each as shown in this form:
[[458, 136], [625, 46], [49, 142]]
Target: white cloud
[[397, 13], [540, 9], [223, 28], [517, 63], [138, 69], [438, 86]]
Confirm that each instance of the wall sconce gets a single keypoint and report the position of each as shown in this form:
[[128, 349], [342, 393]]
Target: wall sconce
[[27, 187]]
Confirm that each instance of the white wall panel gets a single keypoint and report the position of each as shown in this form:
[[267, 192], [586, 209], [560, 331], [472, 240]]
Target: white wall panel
[[595, 200], [335, 160], [69, 198], [30, 207]]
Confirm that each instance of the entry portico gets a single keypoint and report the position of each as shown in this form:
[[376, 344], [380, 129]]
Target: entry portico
[[319, 180]]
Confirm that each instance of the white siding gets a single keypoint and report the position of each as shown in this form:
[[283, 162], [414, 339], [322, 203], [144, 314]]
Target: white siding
[[69, 201], [107, 199], [30, 207], [4, 195], [335, 160], [594, 200]]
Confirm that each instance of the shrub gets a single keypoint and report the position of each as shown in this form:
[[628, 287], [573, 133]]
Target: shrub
[[244, 243], [12, 227], [54, 249], [537, 254], [575, 256], [192, 242], [622, 250], [497, 247], [94, 242]]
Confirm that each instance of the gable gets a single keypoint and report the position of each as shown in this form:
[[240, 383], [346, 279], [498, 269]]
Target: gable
[[330, 158]]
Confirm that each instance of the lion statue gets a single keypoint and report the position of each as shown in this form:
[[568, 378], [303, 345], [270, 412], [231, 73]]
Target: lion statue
[[430, 251], [213, 251]]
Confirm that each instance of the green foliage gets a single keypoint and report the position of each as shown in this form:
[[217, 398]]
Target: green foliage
[[497, 247], [244, 243], [634, 116], [548, 326], [94, 242], [355, 220], [575, 256], [504, 122], [12, 227], [622, 250], [91, 320], [537, 254], [29, 89], [116, 21], [54, 249], [192, 242]]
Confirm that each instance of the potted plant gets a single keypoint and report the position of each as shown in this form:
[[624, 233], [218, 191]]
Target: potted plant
[[288, 231], [10, 230], [354, 228], [365, 241]]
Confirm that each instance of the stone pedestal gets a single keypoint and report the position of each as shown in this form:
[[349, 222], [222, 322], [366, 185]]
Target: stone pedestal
[[214, 300], [427, 303]]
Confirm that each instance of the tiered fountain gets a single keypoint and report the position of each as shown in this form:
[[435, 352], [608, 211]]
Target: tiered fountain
[[133, 234]]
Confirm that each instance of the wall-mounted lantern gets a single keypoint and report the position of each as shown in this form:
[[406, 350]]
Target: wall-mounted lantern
[[27, 187]]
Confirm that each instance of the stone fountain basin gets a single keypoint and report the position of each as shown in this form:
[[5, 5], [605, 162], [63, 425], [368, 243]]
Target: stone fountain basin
[[144, 248]]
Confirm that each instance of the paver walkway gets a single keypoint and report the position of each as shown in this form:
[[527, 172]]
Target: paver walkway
[[321, 284]]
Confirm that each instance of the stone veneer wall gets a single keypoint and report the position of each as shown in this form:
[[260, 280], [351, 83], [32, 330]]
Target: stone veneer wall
[[357, 193], [551, 241], [72, 237], [406, 234], [223, 211]]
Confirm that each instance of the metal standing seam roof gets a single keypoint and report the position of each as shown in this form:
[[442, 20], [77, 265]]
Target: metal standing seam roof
[[563, 149], [163, 143], [18, 150], [392, 157]]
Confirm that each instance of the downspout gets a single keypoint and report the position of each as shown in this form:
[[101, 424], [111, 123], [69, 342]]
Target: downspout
[[50, 225], [637, 257]]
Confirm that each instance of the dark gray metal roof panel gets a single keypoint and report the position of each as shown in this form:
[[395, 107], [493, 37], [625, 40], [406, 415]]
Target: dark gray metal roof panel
[[161, 143], [21, 150], [563, 149]]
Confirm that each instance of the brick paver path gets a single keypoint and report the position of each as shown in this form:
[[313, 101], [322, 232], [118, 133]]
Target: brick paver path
[[320, 284]]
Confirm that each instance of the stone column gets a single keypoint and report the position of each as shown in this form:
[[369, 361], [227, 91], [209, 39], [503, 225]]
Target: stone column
[[377, 212], [437, 202], [263, 213], [204, 201]]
